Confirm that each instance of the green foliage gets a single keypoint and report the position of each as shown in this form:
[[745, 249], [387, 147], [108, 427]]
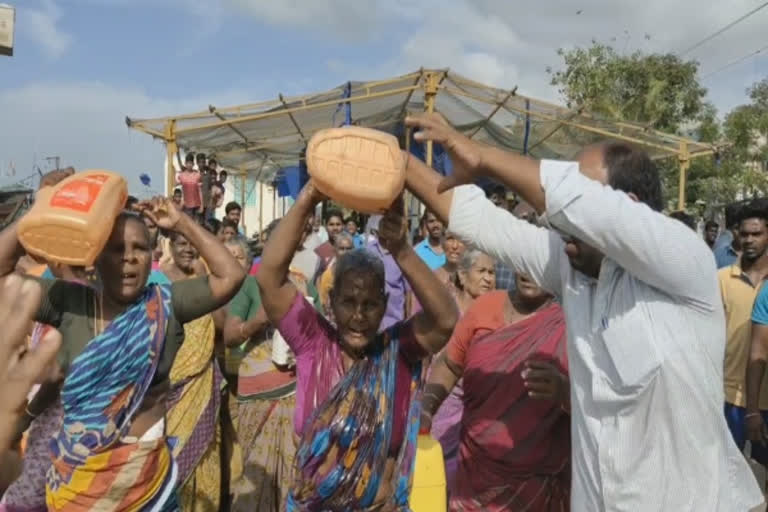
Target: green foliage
[[663, 92]]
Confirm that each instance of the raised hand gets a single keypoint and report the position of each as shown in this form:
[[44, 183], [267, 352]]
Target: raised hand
[[465, 153], [160, 210], [393, 227], [20, 368], [52, 178]]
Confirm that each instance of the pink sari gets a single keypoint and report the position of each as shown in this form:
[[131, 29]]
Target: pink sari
[[515, 451]]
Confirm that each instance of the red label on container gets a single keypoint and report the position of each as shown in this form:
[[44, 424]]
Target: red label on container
[[79, 194]]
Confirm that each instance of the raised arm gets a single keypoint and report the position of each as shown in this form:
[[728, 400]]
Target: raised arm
[[434, 324], [277, 291], [468, 213], [655, 249], [226, 274]]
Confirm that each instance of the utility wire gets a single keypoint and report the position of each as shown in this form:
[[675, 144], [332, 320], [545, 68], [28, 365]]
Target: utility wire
[[734, 62], [731, 24]]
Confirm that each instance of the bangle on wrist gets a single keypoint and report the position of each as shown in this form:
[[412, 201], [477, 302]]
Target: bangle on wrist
[[751, 414], [29, 413]]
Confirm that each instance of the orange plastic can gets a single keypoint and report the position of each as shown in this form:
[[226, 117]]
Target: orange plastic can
[[360, 168], [71, 222]]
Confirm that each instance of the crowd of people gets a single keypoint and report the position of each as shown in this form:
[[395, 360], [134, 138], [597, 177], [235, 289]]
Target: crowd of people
[[576, 351]]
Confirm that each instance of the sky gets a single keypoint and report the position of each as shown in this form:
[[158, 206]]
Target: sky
[[81, 66]]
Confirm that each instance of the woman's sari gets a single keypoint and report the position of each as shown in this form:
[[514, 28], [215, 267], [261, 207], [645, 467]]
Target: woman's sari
[[515, 451], [345, 444], [193, 417], [266, 404], [92, 469]]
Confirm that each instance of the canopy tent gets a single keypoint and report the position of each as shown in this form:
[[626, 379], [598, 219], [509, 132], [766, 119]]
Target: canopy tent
[[264, 138]]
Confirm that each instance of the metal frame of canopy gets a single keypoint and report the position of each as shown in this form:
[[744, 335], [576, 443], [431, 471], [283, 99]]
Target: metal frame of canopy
[[266, 136]]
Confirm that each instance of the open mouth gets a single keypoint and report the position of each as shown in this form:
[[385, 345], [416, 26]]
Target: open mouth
[[129, 278]]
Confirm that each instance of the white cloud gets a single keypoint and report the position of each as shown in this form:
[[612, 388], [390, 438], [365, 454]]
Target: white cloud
[[84, 124], [41, 25]]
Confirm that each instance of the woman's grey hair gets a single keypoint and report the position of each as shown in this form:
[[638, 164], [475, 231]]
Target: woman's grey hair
[[467, 260], [343, 236], [238, 242], [359, 260]]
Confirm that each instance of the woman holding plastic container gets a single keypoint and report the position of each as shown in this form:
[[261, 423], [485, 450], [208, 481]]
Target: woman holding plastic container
[[110, 449], [355, 407]]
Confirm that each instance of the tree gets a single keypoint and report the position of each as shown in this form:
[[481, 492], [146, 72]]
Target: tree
[[658, 90], [661, 91]]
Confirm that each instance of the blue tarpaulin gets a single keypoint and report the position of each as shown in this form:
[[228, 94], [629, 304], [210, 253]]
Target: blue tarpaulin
[[292, 179]]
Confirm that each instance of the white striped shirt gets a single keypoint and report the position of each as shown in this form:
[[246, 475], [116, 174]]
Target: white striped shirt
[[646, 344]]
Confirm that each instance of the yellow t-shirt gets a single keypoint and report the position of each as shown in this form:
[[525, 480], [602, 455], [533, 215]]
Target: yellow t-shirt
[[738, 298]]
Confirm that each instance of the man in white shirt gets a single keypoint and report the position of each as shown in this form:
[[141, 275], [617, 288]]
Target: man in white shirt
[[646, 329]]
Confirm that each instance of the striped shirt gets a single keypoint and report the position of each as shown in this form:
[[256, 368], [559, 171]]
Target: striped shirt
[[646, 344]]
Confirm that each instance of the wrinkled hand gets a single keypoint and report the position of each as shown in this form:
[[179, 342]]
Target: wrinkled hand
[[465, 153], [311, 193], [21, 368], [757, 431], [393, 227], [544, 381], [162, 211], [54, 177]]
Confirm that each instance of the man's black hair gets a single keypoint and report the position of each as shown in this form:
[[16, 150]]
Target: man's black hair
[[232, 205], [213, 226], [333, 213], [631, 170], [190, 157], [754, 209], [212, 163], [228, 223]]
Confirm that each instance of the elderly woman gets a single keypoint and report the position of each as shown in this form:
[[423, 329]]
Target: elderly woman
[[514, 449], [356, 411], [119, 343]]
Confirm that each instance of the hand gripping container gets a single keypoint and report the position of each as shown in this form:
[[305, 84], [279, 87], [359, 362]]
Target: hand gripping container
[[360, 168], [71, 222], [428, 492]]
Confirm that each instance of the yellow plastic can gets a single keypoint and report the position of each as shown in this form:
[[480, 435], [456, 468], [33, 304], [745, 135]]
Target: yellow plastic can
[[429, 493]]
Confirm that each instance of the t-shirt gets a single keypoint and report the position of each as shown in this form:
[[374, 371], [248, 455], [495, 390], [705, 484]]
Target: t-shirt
[[190, 187], [307, 332], [429, 256], [71, 308]]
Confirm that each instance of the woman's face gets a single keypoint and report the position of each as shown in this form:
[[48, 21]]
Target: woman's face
[[126, 261], [528, 290], [227, 233], [358, 306], [481, 276], [237, 252], [453, 248], [184, 254]]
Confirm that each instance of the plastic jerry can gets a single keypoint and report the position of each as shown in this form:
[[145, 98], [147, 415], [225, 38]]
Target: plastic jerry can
[[428, 493], [71, 222], [360, 168]]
